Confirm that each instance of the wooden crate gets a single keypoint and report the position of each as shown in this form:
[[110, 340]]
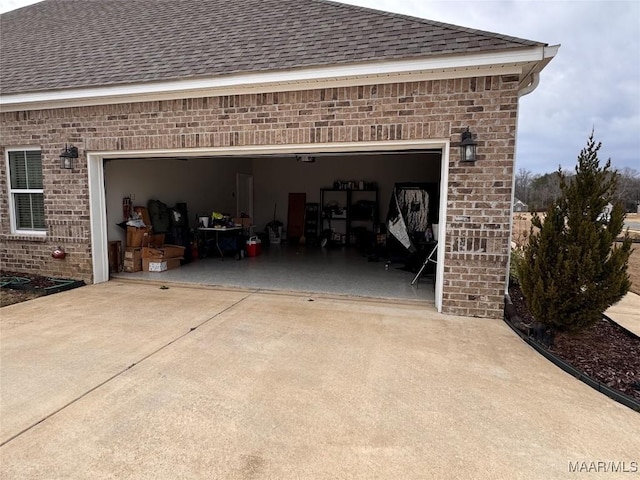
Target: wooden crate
[[115, 256], [133, 259]]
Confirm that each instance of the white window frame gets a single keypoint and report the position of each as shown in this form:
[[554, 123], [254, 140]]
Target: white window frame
[[12, 191]]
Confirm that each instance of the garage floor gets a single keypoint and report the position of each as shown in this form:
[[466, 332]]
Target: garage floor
[[341, 271]]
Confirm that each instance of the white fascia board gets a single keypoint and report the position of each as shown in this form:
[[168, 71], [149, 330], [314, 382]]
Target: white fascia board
[[550, 52], [438, 67]]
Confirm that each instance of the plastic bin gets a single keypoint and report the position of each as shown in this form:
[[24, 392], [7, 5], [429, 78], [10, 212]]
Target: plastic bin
[[275, 235]]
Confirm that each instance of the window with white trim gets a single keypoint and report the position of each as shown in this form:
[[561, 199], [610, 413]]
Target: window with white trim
[[26, 195]]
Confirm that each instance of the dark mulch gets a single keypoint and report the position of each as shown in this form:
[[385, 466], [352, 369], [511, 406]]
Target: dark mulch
[[28, 286], [9, 296], [605, 352]]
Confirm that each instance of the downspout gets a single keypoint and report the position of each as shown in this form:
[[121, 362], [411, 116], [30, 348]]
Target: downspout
[[513, 188], [533, 84], [535, 81]]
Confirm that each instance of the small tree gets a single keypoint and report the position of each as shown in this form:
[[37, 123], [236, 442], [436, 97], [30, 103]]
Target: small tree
[[572, 269]]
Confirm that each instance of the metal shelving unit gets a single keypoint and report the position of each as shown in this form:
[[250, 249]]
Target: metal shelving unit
[[347, 200]]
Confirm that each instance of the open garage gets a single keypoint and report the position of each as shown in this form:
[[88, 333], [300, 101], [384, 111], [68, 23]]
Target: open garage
[[340, 252]]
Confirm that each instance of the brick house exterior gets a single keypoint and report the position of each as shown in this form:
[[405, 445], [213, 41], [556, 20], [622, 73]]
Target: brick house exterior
[[478, 195]]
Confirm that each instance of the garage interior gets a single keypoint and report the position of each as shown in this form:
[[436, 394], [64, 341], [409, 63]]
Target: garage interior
[[344, 263]]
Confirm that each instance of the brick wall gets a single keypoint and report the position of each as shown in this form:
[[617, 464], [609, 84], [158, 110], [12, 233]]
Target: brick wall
[[479, 196]]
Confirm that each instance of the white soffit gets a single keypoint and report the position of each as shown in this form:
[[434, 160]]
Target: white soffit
[[432, 68]]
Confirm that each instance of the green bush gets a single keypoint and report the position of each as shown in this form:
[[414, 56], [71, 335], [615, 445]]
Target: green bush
[[517, 257], [572, 269]]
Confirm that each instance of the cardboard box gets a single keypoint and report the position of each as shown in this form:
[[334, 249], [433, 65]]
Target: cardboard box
[[135, 236], [163, 252], [132, 260], [242, 222], [158, 265], [152, 240]]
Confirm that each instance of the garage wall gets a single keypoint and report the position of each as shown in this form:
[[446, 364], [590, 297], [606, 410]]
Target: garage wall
[[209, 184], [204, 184], [275, 178]]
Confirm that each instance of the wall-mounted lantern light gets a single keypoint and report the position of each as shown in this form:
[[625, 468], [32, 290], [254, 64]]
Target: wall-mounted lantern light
[[467, 147], [68, 155]]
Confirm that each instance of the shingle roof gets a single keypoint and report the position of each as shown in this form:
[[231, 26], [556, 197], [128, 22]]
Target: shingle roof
[[59, 44]]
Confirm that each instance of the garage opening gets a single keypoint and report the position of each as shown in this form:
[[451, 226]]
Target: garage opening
[[333, 210]]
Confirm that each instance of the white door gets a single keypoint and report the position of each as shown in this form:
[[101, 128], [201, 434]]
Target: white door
[[244, 194]]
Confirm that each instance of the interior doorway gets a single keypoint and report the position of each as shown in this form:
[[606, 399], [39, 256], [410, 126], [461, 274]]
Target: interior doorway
[[244, 194]]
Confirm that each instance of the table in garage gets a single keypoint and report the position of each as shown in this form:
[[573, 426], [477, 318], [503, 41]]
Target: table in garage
[[217, 231]]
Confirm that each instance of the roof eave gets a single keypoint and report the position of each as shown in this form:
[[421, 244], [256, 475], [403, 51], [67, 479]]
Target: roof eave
[[522, 61], [531, 77]]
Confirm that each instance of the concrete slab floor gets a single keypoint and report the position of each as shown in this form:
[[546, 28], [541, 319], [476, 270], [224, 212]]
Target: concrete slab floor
[[302, 269], [279, 386], [627, 312]]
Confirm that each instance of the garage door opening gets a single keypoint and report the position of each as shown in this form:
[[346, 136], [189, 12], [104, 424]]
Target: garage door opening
[[335, 260]]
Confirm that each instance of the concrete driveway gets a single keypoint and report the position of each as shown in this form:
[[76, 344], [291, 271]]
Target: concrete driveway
[[124, 380]]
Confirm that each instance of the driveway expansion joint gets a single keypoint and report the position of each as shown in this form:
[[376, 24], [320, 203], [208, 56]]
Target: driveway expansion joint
[[118, 374]]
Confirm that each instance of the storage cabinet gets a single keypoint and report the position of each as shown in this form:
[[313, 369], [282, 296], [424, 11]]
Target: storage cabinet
[[347, 211], [295, 219]]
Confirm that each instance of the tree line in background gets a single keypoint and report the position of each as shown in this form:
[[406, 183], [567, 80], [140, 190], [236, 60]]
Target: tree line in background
[[539, 191]]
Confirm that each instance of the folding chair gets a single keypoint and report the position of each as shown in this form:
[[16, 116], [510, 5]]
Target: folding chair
[[430, 259]]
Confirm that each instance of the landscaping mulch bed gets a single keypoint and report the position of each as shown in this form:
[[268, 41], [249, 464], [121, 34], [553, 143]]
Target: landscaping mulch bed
[[605, 352], [9, 296], [19, 287]]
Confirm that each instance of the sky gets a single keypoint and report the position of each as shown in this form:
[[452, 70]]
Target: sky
[[593, 83]]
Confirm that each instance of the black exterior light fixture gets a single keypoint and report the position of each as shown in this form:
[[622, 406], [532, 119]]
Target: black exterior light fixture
[[67, 157], [467, 147]]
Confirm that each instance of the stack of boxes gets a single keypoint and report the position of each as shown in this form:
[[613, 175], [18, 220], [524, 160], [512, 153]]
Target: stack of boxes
[[147, 252], [159, 259], [137, 238], [132, 259]]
